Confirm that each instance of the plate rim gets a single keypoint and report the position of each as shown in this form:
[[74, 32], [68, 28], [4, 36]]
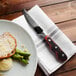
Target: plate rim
[[9, 21]]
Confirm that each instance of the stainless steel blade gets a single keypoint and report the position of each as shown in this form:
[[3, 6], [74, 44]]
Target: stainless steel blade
[[29, 19]]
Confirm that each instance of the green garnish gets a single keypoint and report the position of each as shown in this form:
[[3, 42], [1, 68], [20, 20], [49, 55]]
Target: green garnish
[[22, 56]]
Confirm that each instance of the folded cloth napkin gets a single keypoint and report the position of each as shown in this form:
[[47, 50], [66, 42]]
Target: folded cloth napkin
[[46, 60]]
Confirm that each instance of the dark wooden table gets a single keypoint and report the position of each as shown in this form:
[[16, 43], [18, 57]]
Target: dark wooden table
[[62, 12]]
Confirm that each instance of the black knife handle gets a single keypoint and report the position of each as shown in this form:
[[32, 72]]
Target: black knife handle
[[60, 55]]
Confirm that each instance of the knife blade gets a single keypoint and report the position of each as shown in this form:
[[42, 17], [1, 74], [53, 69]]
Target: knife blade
[[58, 52]]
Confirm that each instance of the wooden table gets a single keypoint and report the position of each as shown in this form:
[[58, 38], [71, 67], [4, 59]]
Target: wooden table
[[62, 12]]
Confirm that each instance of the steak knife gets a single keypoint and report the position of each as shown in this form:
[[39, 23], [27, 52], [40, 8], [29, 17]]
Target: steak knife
[[58, 52]]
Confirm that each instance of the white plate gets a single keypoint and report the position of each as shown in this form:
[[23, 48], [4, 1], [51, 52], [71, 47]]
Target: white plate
[[22, 37]]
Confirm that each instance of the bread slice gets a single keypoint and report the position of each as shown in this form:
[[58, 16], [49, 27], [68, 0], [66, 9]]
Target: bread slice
[[8, 45]]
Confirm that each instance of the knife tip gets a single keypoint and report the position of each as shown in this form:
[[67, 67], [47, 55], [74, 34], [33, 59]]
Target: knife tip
[[24, 11]]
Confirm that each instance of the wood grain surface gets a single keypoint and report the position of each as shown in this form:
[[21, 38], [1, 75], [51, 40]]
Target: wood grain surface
[[62, 12], [7, 6]]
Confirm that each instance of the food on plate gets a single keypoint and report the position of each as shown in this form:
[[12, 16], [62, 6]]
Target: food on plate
[[1, 74], [23, 53], [5, 64], [9, 51], [22, 56], [8, 45]]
